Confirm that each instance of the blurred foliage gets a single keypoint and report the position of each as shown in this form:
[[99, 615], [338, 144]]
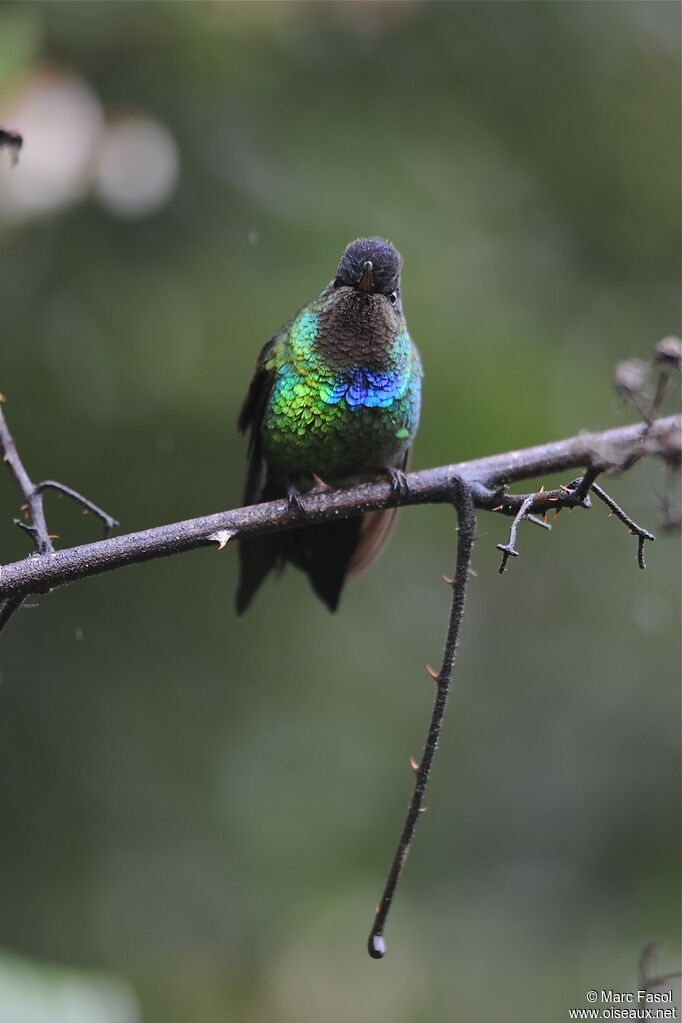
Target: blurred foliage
[[205, 805], [34, 993]]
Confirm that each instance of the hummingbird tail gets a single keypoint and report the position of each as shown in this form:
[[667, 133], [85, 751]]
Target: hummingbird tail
[[257, 557], [324, 552], [329, 553]]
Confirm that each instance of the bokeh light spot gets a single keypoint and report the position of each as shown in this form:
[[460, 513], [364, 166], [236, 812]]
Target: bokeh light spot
[[60, 119], [138, 167]]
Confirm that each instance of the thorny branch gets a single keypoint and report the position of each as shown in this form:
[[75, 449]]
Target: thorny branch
[[481, 483], [463, 501], [487, 477]]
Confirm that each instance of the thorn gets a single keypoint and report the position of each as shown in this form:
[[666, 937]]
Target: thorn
[[432, 673], [320, 483], [423, 809], [53, 536], [413, 764], [542, 489], [446, 579], [86, 511], [2, 397], [552, 498], [222, 538], [566, 490], [498, 508]]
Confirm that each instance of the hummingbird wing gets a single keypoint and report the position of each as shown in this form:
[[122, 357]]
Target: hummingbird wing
[[251, 418], [257, 555]]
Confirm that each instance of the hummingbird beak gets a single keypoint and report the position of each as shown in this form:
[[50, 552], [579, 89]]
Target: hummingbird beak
[[365, 282]]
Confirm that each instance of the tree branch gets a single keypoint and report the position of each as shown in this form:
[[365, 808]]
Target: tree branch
[[488, 478], [462, 497]]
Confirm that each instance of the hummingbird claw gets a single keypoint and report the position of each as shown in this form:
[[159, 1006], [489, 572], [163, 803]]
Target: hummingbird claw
[[398, 480], [294, 499]]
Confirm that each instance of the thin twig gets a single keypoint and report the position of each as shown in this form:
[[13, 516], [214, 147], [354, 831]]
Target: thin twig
[[466, 515], [88, 506], [573, 495], [581, 485], [538, 522], [34, 502], [36, 526], [640, 532], [508, 548]]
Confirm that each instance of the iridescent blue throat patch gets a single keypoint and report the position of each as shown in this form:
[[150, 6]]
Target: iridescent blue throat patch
[[373, 390]]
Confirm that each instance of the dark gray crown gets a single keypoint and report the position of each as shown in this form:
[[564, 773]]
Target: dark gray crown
[[386, 263]]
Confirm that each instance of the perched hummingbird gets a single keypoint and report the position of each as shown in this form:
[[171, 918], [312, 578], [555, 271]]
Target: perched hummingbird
[[334, 400]]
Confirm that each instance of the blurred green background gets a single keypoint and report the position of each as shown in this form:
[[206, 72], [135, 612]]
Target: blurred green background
[[198, 811]]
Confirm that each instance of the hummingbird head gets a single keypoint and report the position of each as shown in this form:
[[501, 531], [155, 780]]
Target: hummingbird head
[[370, 265]]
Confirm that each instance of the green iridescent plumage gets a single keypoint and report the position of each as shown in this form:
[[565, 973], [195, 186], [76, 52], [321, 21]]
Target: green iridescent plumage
[[336, 395], [309, 423]]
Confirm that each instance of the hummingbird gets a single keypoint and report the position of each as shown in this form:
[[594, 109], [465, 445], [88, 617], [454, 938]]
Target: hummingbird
[[334, 400]]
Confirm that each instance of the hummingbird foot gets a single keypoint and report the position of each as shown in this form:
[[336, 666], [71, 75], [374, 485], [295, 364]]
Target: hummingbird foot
[[294, 499], [398, 481]]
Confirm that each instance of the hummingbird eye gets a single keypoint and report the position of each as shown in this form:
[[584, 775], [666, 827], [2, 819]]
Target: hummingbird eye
[[393, 297], [338, 282]]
